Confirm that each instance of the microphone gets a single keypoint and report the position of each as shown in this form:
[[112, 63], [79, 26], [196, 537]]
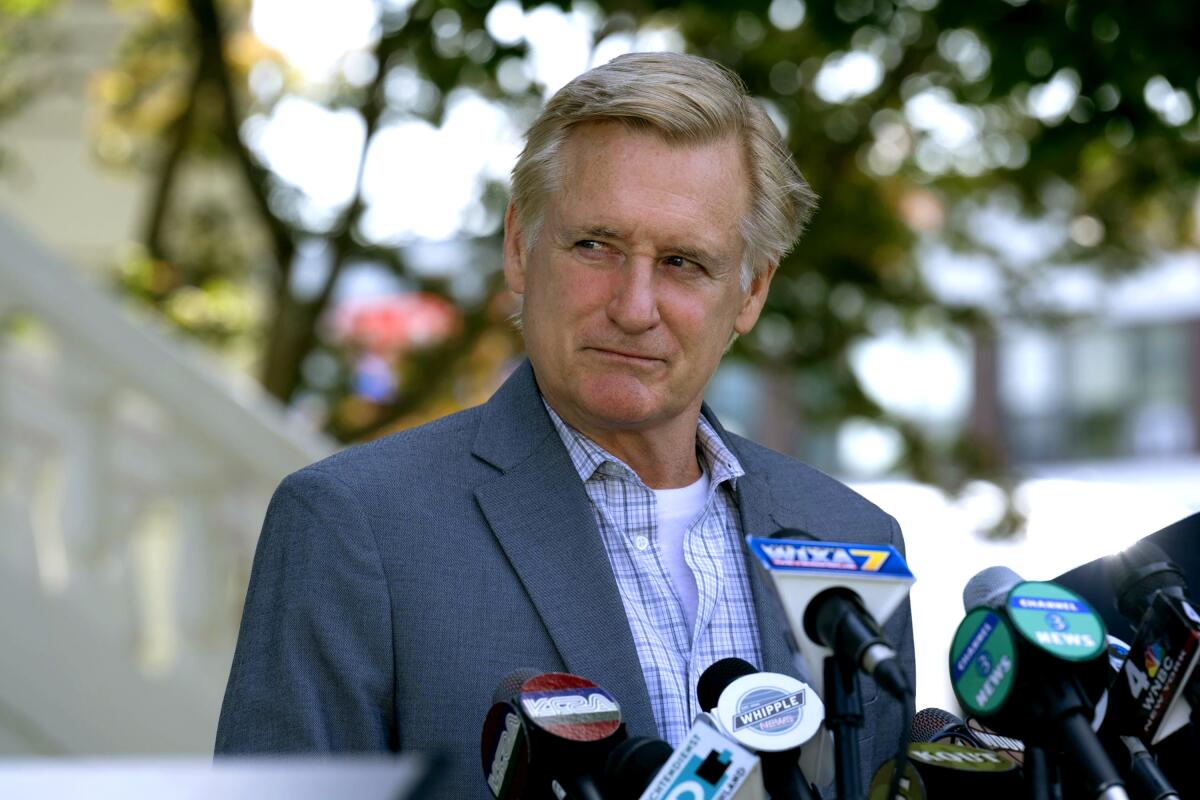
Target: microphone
[[549, 736], [990, 740], [1160, 672], [939, 725], [505, 751], [972, 763], [768, 713], [505, 744], [834, 597], [886, 786], [632, 766], [1140, 572], [1031, 655], [705, 765], [1147, 779], [936, 725], [990, 587], [944, 768]]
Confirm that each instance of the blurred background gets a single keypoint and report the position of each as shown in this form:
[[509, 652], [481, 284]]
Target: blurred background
[[236, 236]]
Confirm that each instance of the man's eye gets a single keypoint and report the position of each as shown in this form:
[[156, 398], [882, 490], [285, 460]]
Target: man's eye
[[679, 262], [589, 244]]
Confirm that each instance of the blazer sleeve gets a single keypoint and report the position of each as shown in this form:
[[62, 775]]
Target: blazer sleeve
[[314, 667]]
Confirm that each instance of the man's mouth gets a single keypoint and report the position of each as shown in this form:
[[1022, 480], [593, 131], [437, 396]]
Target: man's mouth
[[626, 355]]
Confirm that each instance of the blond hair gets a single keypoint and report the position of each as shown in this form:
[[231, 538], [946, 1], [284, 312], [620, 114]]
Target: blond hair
[[686, 100]]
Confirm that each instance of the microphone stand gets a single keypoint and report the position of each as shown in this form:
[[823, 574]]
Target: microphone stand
[[1067, 708], [844, 717], [1037, 772]]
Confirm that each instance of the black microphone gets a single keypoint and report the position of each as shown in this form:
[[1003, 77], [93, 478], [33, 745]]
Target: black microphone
[[504, 746], [936, 725], [706, 764], [1140, 572], [838, 619], [632, 765], [833, 596], [550, 737], [768, 713], [1158, 686], [1146, 779], [940, 726], [1155, 699], [841, 591], [950, 756], [1032, 656]]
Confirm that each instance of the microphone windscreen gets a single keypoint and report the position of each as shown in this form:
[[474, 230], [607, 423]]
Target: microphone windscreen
[[511, 684], [929, 723], [1137, 573], [632, 765], [989, 588], [938, 725], [717, 677]]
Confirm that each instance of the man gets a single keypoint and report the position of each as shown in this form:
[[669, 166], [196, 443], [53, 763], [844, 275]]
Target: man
[[590, 517]]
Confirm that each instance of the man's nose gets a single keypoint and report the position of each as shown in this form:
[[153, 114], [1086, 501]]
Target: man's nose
[[634, 304]]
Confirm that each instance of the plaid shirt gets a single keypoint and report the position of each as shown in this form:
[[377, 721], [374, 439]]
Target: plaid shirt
[[673, 656]]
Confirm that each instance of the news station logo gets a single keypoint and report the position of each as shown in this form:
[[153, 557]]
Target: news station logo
[[836, 558], [1056, 620], [702, 779], [1154, 657], [770, 711], [570, 707], [983, 662]]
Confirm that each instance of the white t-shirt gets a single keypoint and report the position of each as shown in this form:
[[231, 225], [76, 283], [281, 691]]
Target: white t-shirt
[[677, 510]]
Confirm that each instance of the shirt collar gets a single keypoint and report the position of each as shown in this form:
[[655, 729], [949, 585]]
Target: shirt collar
[[589, 458]]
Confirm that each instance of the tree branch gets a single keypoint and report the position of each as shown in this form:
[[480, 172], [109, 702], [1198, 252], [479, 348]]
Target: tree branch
[[210, 37], [177, 146]]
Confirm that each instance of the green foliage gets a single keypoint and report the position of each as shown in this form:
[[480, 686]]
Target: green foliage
[[27, 46], [1116, 160], [26, 8]]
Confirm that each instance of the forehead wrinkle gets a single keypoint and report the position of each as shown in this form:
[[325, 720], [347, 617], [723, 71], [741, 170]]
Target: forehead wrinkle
[[578, 157], [603, 232]]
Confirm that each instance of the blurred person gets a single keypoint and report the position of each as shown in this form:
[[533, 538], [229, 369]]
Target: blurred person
[[588, 518]]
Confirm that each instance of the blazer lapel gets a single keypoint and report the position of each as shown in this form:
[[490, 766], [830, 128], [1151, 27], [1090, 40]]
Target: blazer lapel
[[540, 514], [762, 514]]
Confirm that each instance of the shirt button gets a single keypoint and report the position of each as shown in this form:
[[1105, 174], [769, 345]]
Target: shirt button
[[642, 542]]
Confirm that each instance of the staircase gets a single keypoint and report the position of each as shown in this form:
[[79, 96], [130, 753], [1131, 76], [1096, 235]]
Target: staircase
[[134, 475]]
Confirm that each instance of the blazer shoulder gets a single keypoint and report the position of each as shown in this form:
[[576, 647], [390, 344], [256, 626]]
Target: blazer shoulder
[[821, 496], [440, 447]]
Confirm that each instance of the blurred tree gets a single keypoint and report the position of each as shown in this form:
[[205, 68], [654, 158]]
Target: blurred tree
[[25, 37], [912, 118]]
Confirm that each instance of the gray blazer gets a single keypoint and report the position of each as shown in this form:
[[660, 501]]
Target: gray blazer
[[397, 582]]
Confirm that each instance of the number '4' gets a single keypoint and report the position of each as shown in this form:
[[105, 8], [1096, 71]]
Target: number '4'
[[1138, 681]]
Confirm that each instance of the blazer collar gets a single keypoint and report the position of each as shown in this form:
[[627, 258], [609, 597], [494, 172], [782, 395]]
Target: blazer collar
[[541, 516]]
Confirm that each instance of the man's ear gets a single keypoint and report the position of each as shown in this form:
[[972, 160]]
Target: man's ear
[[752, 303], [514, 251]]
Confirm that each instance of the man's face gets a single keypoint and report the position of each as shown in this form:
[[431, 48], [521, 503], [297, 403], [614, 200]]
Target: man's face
[[633, 288]]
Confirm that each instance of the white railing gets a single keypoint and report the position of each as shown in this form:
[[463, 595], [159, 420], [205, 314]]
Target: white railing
[[134, 474]]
